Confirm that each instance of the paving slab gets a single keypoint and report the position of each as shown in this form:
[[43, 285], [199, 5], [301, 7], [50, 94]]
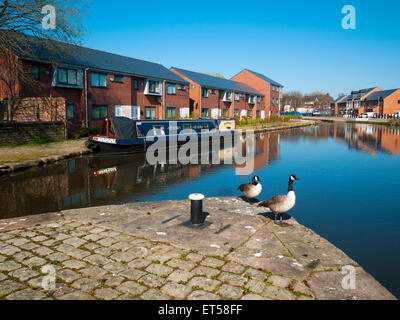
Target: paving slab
[[147, 251]]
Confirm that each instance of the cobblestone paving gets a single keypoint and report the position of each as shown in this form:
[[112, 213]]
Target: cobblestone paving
[[92, 261]]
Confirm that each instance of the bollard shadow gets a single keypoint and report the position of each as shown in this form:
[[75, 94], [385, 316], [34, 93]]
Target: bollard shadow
[[250, 201], [271, 216], [202, 225]]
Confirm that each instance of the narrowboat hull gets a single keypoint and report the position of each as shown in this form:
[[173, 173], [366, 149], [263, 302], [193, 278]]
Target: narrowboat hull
[[135, 140]]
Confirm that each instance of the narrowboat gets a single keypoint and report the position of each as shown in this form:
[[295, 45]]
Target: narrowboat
[[121, 134]]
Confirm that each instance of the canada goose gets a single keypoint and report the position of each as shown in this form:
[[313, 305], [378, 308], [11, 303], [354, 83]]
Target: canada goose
[[251, 190], [283, 203]]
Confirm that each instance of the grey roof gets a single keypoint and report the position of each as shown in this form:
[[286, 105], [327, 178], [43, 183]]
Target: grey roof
[[380, 94], [359, 93], [34, 48], [338, 99], [265, 78], [211, 82]]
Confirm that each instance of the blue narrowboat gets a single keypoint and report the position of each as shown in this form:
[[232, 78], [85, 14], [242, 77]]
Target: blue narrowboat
[[121, 134]]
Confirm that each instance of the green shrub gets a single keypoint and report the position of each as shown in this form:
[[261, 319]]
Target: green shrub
[[394, 122], [85, 132], [39, 139]]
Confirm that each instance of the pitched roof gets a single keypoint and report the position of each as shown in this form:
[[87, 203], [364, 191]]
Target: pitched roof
[[265, 78], [339, 99], [217, 83], [34, 48], [380, 94]]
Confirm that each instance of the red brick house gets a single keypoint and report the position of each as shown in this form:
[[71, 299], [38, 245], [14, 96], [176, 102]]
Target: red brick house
[[270, 88], [97, 84], [384, 102], [217, 97], [338, 106]]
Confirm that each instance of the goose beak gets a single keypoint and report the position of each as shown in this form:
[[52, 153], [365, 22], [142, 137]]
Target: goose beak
[[297, 178]]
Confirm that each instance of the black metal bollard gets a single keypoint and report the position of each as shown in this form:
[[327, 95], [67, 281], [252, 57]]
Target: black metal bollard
[[196, 209]]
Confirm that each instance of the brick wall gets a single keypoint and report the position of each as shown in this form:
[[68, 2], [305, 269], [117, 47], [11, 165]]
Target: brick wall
[[34, 109], [262, 86], [18, 132]]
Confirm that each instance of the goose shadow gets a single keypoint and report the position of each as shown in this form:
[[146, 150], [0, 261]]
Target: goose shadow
[[250, 201], [271, 216]]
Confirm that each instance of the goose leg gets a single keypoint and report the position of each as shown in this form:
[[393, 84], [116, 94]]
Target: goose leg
[[280, 221], [275, 214]]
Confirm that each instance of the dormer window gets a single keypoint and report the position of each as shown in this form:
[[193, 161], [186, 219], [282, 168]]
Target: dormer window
[[251, 99], [227, 96], [67, 76], [152, 87]]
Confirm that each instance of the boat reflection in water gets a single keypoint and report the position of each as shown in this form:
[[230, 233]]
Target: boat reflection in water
[[110, 179], [100, 180]]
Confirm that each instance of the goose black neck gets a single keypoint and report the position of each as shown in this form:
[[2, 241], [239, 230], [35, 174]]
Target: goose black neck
[[290, 188], [255, 183]]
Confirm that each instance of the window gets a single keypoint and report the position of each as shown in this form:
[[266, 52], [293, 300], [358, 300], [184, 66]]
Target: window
[[204, 112], [236, 113], [212, 91], [398, 102], [158, 130], [225, 113], [205, 93], [258, 99], [171, 89], [228, 96], [182, 87], [153, 86], [136, 84], [242, 95], [258, 114], [99, 80], [171, 112], [67, 76], [273, 88], [35, 72], [99, 112], [150, 112], [70, 111], [118, 79], [237, 97]]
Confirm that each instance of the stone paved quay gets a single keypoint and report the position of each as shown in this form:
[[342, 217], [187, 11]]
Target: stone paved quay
[[145, 251]]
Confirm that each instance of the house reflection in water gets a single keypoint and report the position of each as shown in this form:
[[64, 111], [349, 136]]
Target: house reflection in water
[[369, 138], [95, 181], [265, 147], [100, 180]]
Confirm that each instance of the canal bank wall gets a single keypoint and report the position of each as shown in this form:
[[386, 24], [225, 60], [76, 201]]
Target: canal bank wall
[[150, 251], [349, 120], [37, 156]]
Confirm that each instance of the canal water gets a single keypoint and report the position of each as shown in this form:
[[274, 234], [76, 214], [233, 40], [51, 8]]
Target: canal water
[[348, 192]]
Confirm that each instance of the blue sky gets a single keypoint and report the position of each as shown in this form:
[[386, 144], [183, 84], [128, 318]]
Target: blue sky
[[300, 44]]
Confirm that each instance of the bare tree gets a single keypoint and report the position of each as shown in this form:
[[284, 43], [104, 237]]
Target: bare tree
[[19, 17]]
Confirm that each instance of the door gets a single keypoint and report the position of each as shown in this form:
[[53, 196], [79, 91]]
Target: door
[[136, 112]]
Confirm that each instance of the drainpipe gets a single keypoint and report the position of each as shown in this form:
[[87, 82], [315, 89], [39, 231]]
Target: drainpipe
[[86, 99], [163, 100], [233, 103], [200, 101]]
